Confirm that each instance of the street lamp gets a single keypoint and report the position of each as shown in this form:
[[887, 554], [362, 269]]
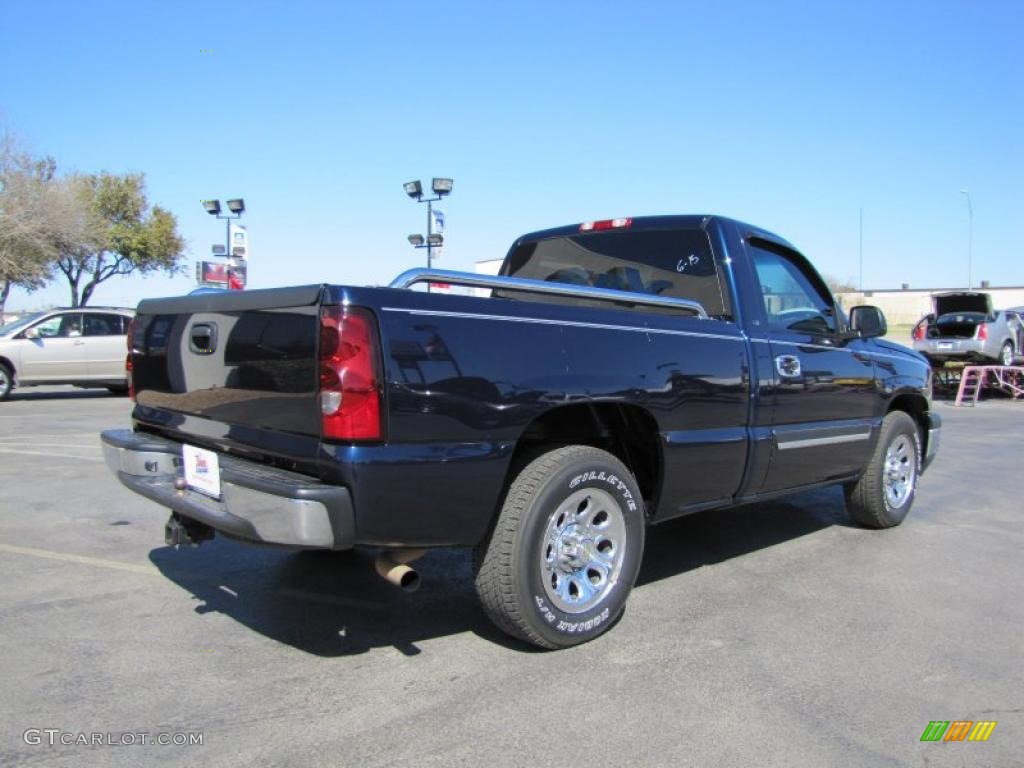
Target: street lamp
[[237, 208], [970, 237], [440, 188], [431, 241]]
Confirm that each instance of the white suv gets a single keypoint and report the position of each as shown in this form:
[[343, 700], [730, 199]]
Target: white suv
[[84, 346]]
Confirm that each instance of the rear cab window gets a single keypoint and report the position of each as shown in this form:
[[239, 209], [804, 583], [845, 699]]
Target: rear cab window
[[677, 263]]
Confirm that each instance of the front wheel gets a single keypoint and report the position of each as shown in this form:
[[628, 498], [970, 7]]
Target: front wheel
[[6, 381], [565, 550], [885, 492]]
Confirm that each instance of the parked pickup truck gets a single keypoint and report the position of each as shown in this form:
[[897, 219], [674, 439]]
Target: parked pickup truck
[[621, 373]]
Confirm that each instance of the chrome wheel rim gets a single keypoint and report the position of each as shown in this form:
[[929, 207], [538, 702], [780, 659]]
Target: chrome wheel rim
[[1007, 355], [3, 379], [582, 550], [900, 470]]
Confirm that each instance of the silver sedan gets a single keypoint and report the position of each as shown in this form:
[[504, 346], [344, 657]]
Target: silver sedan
[[84, 346], [965, 328]]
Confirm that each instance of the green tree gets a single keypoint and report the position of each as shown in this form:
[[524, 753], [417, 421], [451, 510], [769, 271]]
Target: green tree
[[121, 234]]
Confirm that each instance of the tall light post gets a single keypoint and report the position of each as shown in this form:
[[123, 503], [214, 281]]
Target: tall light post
[[861, 250], [970, 239], [414, 189], [237, 208]]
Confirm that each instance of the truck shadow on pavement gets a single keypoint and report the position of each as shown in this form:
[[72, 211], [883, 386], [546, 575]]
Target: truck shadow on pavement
[[713, 537], [334, 604]]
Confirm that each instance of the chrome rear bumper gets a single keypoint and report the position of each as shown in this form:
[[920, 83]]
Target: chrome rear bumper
[[257, 502]]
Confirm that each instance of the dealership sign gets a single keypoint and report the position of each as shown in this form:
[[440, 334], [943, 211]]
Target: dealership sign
[[213, 273]]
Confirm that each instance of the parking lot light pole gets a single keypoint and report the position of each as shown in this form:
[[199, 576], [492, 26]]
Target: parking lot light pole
[[414, 189], [237, 208], [970, 239]]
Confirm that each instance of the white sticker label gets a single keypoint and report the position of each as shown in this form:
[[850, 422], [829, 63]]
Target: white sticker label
[[202, 470]]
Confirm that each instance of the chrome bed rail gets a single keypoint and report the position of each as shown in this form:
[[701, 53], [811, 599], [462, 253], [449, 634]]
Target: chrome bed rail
[[421, 275]]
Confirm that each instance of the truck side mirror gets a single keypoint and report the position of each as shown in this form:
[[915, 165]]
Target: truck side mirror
[[868, 321]]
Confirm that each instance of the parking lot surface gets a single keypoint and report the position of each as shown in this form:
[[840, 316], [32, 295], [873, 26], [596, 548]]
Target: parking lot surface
[[773, 634]]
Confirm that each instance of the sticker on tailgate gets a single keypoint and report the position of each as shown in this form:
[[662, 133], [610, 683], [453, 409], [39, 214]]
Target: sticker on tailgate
[[202, 470]]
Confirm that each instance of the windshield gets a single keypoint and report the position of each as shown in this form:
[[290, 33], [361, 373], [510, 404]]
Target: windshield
[[21, 322]]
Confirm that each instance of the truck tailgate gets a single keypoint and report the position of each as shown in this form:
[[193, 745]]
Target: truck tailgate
[[236, 370]]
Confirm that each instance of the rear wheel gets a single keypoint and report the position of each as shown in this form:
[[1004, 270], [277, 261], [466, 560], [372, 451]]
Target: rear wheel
[[565, 550], [885, 492], [6, 381], [1006, 354]]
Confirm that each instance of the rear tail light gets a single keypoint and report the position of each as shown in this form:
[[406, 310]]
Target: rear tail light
[[128, 360], [919, 331], [982, 331], [350, 400], [597, 226]]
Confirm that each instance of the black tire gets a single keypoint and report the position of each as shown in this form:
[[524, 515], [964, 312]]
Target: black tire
[[565, 550], [880, 499], [6, 381], [1006, 354]]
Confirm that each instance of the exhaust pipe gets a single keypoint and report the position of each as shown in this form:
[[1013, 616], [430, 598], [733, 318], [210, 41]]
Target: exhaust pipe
[[393, 566]]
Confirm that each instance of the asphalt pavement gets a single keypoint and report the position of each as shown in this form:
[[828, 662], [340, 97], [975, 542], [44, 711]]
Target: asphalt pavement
[[776, 634]]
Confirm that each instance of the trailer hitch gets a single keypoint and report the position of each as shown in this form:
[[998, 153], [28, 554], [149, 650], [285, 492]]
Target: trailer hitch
[[183, 530]]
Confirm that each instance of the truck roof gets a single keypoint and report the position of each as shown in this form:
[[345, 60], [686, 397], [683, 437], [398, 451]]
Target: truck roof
[[681, 221]]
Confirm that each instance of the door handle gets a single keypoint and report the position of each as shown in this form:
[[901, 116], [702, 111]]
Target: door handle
[[788, 366], [203, 338], [79, 343]]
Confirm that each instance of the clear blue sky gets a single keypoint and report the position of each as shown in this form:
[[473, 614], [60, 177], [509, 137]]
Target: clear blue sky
[[792, 116]]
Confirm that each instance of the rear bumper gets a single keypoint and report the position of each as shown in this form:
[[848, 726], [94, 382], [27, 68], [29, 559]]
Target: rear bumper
[[942, 350], [257, 503], [932, 438]]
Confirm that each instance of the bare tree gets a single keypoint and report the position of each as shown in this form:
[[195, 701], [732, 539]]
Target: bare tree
[[839, 285], [37, 216]]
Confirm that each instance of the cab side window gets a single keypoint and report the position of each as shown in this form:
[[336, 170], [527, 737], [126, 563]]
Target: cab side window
[[60, 326], [792, 300], [103, 325], [70, 325]]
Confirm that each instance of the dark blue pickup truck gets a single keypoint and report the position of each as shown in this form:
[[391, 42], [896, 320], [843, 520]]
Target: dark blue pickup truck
[[619, 373]]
